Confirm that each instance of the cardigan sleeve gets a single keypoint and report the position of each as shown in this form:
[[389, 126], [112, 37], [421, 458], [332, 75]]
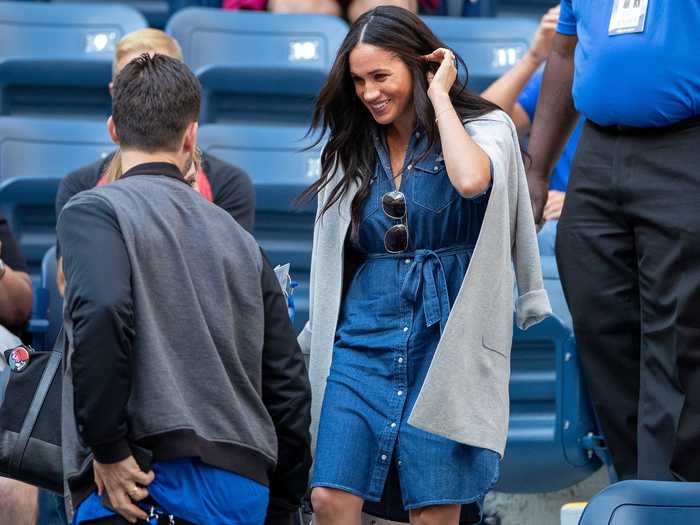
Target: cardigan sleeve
[[496, 135], [532, 305], [304, 338]]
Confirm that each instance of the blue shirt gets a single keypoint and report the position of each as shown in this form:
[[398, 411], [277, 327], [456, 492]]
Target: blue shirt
[[645, 79], [528, 100], [193, 491]]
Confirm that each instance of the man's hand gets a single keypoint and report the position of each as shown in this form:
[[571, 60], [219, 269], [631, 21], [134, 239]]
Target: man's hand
[[538, 185], [555, 203], [125, 483], [542, 41]]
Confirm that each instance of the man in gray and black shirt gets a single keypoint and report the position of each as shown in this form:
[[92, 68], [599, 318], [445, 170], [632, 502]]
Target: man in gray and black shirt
[[180, 347]]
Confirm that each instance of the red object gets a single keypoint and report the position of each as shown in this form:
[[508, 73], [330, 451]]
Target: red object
[[20, 354], [250, 5], [203, 186], [19, 359], [261, 5]]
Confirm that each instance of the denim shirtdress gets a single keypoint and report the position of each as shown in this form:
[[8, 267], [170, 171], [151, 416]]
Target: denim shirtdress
[[389, 326]]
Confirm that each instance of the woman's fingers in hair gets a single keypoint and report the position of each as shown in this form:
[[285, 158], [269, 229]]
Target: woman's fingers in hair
[[439, 55]]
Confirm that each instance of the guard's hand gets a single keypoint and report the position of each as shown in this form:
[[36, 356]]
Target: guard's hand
[[125, 483], [554, 206], [538, 186], [441, 82]]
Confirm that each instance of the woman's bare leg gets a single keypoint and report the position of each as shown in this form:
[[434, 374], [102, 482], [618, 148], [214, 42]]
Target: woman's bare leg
[[435, 515], [335, 507]]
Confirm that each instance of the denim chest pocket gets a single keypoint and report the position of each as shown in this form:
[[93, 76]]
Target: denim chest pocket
[[432, 188], [371, 202]]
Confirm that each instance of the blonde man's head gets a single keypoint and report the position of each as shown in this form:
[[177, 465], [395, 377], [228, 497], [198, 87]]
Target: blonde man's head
[[128, 48], [143, 41]]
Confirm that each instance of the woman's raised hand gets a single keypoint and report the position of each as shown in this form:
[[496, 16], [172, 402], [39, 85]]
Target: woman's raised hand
[[441, 81]]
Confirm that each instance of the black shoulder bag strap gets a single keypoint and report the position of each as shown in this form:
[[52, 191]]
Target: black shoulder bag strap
[[52, 366]]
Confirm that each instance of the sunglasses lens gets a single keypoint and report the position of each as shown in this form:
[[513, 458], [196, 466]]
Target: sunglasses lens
[[396, 238], [394, 204]]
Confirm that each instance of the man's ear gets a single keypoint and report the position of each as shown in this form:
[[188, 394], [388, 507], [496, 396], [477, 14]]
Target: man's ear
[[189, 143], [112, 130]]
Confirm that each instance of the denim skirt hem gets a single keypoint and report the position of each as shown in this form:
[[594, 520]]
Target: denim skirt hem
[[436, 502], [337, 486], [457, 501]]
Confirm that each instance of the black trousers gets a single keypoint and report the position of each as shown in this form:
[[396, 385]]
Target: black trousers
[[628, 251]]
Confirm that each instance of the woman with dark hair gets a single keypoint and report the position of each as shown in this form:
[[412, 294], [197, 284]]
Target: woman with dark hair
[[412, 164]]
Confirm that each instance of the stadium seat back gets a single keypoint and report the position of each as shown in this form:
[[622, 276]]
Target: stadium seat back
[[33, 147], [28, 206], [280, 172], [257, 67], [157, 12], [35, 154], [524, 7], [56, 59], [644, 503], [48, 282], [550, 412], [466, 8], [489, 46]]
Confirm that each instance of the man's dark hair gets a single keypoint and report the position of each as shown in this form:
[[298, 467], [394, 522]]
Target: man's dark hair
[[154, 99]]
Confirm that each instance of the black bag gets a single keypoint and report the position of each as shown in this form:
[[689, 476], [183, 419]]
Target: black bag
[[30, 417]]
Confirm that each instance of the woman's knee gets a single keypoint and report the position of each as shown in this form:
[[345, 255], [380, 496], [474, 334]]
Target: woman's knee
[[329, 503]]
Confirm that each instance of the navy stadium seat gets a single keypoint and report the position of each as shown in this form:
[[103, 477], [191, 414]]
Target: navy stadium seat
[[28, 206], [280, 173], [34, 155], [55, 301], [57, 59], [33, 147], [466, 8], [489, 46], [645, 503], [47, 309], [157, 12], [524, 7], [257, 67], [552, 427], [550, 415]]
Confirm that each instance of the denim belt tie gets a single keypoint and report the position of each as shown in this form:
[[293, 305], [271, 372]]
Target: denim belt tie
[[427, 274]]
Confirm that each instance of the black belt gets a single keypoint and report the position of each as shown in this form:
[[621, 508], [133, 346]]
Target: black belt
[[621, 129]]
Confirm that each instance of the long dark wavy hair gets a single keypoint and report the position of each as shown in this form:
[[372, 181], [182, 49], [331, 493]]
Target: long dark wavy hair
[[342, 117]]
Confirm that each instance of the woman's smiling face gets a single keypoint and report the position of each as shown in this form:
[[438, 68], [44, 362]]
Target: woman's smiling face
[[382, 81]]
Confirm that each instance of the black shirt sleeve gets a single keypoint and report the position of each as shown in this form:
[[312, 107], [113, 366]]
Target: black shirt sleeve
[[76, 181], [10, 252], [100, 305], [232, 189], [79, 180], [287, 397]]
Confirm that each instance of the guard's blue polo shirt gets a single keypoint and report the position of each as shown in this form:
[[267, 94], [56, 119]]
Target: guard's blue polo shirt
[[643, 79]]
